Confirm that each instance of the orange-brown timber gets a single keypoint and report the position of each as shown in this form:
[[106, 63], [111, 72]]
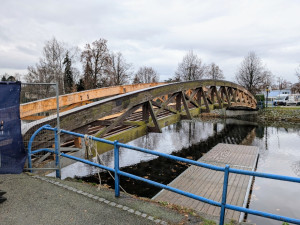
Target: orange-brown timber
[[32, 108]]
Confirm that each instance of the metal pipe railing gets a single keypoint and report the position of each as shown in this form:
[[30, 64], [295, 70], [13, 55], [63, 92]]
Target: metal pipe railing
[[227, 170]]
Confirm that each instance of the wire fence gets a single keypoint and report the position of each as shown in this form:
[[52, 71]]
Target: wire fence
[[33, 109]]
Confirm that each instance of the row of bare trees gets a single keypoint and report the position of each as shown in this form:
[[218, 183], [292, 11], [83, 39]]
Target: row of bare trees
[[252, 73], [101, 67], [193, 68]]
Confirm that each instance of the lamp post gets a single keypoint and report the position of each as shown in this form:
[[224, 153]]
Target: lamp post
[[267, 90]]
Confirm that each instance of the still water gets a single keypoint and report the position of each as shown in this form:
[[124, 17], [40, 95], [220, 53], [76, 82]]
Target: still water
[[279, 150]]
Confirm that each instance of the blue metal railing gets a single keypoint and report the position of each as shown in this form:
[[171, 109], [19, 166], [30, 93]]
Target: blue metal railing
[[227, 170]]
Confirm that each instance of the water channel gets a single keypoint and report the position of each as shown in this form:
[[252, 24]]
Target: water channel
[[278, 148]]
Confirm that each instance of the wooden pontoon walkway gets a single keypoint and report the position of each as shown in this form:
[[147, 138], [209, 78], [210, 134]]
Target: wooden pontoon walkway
[[209, 183]]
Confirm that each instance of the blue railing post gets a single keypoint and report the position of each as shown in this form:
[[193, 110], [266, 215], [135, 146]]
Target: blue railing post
[[117, 169], [29, 158], [224, 195], [57, 156]]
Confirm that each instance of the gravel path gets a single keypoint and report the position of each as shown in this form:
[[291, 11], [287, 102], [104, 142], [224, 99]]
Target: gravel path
[[42, 200]]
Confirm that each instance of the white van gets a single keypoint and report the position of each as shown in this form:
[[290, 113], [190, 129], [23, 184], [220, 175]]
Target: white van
[[281, 99], [293, 99]]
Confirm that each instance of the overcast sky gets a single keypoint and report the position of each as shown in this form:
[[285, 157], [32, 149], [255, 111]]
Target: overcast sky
[[157, 33]]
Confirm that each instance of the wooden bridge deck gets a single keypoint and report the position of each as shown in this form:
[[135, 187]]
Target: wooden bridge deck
[[209, 183]]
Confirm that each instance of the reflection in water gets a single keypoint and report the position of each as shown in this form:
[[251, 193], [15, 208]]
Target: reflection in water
[[188, 139], [173, 138], [279, 154]]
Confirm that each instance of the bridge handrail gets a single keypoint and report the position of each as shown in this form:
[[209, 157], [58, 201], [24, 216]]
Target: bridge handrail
[[118, 172]]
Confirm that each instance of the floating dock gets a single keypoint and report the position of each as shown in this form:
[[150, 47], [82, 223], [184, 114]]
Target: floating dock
[[209, 183]]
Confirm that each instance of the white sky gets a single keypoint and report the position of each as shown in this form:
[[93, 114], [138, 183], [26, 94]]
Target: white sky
[[156, 33]]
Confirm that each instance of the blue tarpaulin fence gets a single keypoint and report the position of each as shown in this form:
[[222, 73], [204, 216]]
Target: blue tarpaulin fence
[[12, 151]]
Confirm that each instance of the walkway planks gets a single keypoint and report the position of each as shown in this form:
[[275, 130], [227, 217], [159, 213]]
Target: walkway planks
[[209, 183]]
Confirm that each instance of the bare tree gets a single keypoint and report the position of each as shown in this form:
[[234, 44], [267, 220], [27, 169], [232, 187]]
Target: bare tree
[[50, 67], [296, 86], [268, 80], [145, 75], [120, 70], [283, 83], [96, 61], [214, 72], [191, 68], [251, 73]]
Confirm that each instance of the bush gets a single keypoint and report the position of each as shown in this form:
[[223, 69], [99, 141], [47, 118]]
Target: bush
[[260, 101]]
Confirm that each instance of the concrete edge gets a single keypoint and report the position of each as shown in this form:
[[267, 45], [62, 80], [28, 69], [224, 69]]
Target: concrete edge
[[103, 200]]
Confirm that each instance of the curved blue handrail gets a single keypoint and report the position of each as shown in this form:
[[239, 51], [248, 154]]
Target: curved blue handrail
[[118, 172]]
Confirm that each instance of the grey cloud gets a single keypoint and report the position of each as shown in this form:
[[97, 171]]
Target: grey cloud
[[154, 32]]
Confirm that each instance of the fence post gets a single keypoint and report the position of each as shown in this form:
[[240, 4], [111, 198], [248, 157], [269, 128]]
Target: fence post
[[57, 153], [224, 195], [29, 160], [57, 135], [117, 169]]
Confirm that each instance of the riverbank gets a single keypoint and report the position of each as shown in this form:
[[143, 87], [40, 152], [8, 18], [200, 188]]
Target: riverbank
[[282, 116], [279, 116]]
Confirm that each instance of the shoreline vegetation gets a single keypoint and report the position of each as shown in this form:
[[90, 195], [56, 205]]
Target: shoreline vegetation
[[280, 116], [284, 113]]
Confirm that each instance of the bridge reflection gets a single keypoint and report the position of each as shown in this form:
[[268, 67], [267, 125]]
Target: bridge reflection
[[189, 139]]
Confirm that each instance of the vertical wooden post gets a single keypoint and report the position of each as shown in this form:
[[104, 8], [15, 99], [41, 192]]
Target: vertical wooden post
[[178, 102], [199, 96], [146, 112]]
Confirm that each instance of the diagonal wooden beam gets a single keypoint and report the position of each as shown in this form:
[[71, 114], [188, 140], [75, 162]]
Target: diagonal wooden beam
[[165, 105], [243, 97], [230, 93], [162, 107], [193, 102], [237, 96], [156, 127], [160, 99], [190, 99], [224, 90], [215, 91], [204, 96], [185, 105], [118, 121]]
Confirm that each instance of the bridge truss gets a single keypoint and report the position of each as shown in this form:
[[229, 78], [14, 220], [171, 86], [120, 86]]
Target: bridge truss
[[145, 110]]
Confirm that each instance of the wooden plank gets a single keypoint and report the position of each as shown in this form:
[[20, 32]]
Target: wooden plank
[[209, 183], [44, 105]]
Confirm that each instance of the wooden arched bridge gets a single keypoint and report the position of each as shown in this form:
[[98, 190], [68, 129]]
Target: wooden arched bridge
[[138, 108]]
